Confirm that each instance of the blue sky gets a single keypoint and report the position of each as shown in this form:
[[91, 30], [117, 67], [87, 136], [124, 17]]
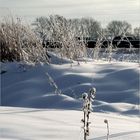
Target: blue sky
[[102, 10]]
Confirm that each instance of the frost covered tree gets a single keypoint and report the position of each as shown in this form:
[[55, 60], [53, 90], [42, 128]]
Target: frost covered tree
[[60, 32], [70, 37]]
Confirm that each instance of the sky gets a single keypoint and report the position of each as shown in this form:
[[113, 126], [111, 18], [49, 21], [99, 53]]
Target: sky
[[101, 10]]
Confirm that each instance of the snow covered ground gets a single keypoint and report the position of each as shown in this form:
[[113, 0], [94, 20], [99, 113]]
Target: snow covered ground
[[42, 124], [32, 111]]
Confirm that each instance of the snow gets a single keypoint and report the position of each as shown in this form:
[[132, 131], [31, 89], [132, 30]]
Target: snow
[[31, 110], [41, 124]]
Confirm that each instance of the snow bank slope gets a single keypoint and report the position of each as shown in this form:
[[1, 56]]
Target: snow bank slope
[[117, 86]]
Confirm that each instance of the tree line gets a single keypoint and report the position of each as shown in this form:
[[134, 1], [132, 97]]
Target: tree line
[[83, 27], [26, 43]]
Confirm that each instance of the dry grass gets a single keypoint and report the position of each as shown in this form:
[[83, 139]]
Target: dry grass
[[19, 43]]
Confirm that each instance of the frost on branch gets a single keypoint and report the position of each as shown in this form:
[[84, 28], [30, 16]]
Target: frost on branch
[[88, 98]]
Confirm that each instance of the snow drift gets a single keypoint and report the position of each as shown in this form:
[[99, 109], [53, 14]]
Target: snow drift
[[117, 85]]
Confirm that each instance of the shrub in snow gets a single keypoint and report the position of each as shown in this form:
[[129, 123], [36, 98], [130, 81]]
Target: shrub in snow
[[19, 43]]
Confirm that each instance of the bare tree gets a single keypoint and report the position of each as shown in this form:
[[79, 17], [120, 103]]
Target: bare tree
[[117, 28], [92, 27], [86, 27], [137, 32]]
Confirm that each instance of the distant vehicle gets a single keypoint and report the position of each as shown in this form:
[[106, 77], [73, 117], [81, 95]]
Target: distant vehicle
[[105, 43], [117, 42], [50, 44], [135, 43], [126, 42], [91, 44]]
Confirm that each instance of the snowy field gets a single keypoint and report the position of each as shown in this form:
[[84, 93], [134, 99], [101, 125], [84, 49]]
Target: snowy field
[[43, 124], [31, 110]]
